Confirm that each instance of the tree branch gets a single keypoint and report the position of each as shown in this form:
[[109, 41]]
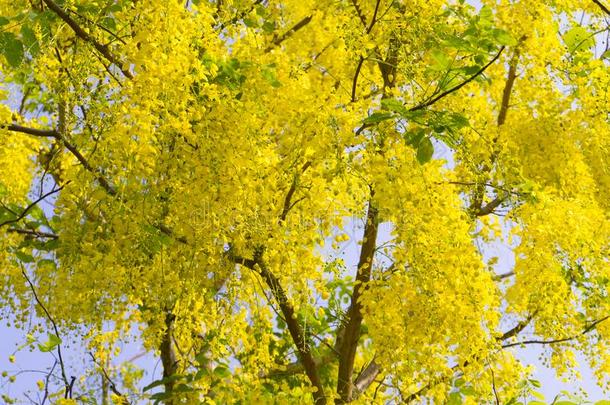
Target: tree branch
[[517, 329], [33, 232], [366, 378], [67, 385], [508, 88], [289, 33], [31, 205], [491, 206], [588, 329], [604, 8], [359, 12], [351, 331], [103, 49], [43, 133], [459, 86], [96, 172], [293, 187], [53, 133], [499, 277], [113, 386], [296, 332], [361, 60]]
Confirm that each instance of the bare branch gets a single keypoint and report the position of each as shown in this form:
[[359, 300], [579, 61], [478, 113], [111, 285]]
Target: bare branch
[[355, 80], [359, 12], [493, 387], [361, 60]]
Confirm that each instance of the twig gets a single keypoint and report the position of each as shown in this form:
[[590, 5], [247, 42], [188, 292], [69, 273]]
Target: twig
[[113, 387], [33, 232], [493, 386], [459, 86], [32, 205], [68, 385], [561, 340], [103, 49], [502, 276], [46, 383]]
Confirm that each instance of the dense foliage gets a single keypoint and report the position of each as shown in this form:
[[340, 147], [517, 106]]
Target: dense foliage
[[189, 175]]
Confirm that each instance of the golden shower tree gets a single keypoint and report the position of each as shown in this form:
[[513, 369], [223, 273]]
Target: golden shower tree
[[187, 174]]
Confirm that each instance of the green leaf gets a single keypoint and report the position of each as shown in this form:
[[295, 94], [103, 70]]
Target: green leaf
[[250, 22], [425, 150], [458, 43], [538, 395], [269, 75], [391, 104], [600, 402], [159, 396], [457, 120], [378, 117], [4, 21], [24, 257], [502, 37], [37, 213], [578, 39], [268, 27], [535, 383], [441, 60], [184, 388], [162, 381], [47, 263], [52, 342], [413, 138], [222, 371], [12, 48], [486, 13], [454, 399], [109, 23], [29, 40], [468, 390]]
